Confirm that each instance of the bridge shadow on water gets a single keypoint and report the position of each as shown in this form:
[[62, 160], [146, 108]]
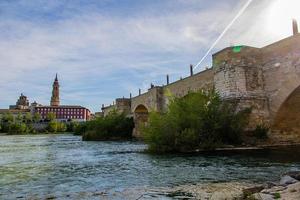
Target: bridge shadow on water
[[284, 154]]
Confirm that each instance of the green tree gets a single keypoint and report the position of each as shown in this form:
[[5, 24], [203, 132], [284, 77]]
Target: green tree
[[52, 126], [19, 118], [51, 116], [72, 126], [56, 127], [7, 117], [28, 118], [36, 117], [198, 120], [113, 126], [18, 128], [61, 127]]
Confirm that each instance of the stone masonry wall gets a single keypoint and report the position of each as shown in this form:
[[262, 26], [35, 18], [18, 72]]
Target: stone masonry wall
[[123, 105], [281, 69], [201, 80], [108, 109], [152, 100], [238, 77], [281, 66]]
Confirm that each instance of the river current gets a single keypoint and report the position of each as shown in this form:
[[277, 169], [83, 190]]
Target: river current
[[64, 167]]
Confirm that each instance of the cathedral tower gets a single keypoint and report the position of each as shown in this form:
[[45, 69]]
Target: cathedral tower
[[55, 93]]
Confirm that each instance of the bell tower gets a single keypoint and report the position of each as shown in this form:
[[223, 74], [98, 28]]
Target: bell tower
[[55, 93]]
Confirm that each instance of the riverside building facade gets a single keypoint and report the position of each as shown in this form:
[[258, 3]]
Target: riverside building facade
[[62, 112], [65, 112]]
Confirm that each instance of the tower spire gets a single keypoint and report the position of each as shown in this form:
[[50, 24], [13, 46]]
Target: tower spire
[[55, 93], [295, 27]]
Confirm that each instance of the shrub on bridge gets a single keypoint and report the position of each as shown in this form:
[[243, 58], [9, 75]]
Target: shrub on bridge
[[198, 120]]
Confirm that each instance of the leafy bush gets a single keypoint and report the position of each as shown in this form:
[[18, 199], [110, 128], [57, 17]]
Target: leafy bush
[[27, 118], [80, 129], [187, 140], [5, 126], [277, 195], [18, 128], [261, 131], [55, 127], [71, 126], [198, 120], [61, 127], [112, 126], [36, 117], [52, 127], [7, 117], [50, 116]]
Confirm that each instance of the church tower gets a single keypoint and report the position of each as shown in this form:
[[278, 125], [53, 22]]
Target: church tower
[[55, 93]]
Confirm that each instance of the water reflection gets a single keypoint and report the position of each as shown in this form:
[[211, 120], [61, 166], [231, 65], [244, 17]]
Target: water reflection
[[64, 166]]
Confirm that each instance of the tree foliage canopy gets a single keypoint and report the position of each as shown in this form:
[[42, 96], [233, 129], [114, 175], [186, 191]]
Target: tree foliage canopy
[[113, 126], [198, 120]]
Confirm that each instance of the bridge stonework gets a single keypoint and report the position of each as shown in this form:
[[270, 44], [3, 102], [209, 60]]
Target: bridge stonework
[[266, 79]]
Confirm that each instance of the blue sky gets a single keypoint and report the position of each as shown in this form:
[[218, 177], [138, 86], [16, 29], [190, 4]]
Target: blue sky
[[104, 49]]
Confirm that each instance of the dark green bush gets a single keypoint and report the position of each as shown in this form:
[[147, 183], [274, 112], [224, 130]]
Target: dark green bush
[[261, 131], [80, 128], [52, 127], [18, 128], [56, 127], [112, 126], [199, 120], [72, 126]]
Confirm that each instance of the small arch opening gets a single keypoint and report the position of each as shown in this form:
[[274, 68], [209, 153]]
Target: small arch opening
[[141, 115]]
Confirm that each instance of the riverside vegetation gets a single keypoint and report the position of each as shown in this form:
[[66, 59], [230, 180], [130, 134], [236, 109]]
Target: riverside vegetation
[[200, 120], [27, 124], [114, 126]]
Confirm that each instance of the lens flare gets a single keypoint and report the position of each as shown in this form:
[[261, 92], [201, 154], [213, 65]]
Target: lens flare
[[285, 10], [281, 13]]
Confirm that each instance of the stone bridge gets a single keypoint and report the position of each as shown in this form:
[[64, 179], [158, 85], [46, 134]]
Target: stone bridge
[[267, 79]]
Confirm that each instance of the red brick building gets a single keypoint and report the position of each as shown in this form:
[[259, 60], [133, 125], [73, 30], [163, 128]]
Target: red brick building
[[65, 113], [62, 112]]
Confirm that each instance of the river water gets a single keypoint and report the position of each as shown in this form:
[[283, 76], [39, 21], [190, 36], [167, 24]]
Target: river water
[[64, 167]]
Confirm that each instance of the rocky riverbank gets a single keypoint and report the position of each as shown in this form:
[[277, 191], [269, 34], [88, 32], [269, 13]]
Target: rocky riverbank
[[288, 188]]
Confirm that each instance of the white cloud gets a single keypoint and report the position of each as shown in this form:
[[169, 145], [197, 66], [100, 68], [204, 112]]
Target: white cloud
[[89, 45]]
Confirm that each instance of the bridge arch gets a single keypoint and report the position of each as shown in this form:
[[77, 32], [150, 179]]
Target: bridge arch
[[140, 116], [287, 118]]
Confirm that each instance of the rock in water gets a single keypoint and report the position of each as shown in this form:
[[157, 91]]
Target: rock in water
[[294, 174], [268, 185], [252, 190], [286, 180], [262, 196]]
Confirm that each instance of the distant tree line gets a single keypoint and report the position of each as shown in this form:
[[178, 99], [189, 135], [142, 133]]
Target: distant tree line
[[25, 124]]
